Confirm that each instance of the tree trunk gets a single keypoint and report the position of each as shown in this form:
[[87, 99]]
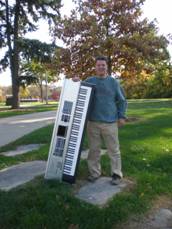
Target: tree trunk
[[46, 90], [41, 92], [109, 60], [14, 52], [15, 93], [109, 65]]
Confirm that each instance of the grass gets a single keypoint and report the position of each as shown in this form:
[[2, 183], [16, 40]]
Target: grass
[[26, 108], [146, 148]]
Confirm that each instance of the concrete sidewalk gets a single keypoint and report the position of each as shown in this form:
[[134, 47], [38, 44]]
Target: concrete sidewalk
[[16, 175], [14, 127]]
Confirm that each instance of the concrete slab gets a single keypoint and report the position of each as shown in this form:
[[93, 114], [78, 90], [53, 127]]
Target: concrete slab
[[99, 192], [21, 150], [16, 175], [161, 219]]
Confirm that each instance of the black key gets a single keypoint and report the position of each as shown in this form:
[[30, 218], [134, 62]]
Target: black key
[[83, 91], [73, 139], [68, 163], [78, 115], [79, 109], [70, 157], [75, 120], [75, 126], [74, 133], [82, 97], [80, 103], [72, 144], [71, 150], [68, 168]]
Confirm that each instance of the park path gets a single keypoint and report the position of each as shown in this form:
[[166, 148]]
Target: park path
[[14, 127]]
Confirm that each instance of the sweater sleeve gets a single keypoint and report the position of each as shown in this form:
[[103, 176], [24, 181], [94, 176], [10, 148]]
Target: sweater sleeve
[[121, 101]]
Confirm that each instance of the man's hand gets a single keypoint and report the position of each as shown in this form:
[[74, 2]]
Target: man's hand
[[121, 122], [76, 78]]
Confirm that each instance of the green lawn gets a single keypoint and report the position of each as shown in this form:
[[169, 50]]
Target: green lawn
[[26, 108], [146, 146]]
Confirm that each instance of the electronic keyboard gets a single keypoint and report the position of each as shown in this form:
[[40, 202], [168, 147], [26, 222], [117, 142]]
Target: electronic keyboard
[[65, 147]]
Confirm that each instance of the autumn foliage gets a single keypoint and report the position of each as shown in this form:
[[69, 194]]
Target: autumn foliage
[[114, 29]]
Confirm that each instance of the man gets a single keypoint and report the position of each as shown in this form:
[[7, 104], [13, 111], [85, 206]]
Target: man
[[107, 113]]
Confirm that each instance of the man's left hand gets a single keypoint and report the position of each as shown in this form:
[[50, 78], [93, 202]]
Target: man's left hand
[[121, 122]]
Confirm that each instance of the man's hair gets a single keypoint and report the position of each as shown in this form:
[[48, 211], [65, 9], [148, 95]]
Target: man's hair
[[101, 58]]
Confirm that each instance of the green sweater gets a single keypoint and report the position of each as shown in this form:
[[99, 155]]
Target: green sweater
[[109, 103]]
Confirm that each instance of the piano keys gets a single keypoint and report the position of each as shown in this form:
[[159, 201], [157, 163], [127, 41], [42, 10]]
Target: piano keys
[[65, 147]]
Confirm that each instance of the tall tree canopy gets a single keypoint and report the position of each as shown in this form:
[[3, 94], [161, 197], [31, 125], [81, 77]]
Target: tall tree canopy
[[39, 63], [114, 29], [17, 18], [38, 58]]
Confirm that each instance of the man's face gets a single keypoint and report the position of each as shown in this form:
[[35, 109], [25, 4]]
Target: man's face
[[101, 68]]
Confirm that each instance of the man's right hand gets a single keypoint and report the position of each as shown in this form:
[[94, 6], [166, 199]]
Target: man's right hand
[[121, 122], [76, 78]]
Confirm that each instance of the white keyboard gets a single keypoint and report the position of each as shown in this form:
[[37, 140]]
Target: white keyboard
[[68, 131]]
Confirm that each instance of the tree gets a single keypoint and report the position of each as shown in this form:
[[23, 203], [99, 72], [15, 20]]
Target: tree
[[38, 63], [6, 91], [114, 29], [1, 95], [24, 93], [34, 91], [37, 73], [160, 84], [156, 84], [19, 17]]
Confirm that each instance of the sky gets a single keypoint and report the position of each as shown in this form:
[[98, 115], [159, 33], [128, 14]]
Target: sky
[[159, 9]]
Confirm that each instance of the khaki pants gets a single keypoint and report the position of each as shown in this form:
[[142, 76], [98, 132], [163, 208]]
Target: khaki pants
[[109, 132]]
